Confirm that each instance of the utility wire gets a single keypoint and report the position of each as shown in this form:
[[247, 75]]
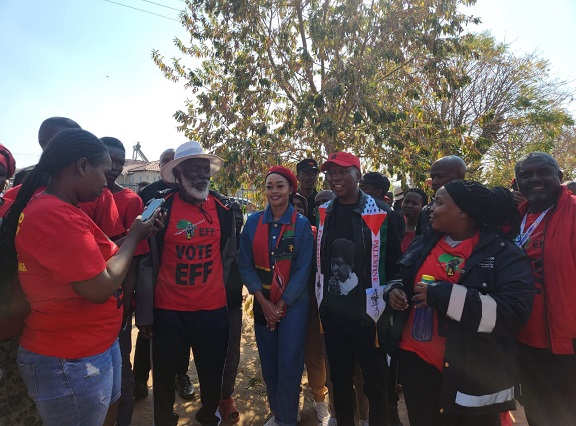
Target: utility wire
[[162, 5], [142, 10]]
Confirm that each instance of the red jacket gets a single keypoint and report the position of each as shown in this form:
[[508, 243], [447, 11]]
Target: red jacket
[[559, 286]]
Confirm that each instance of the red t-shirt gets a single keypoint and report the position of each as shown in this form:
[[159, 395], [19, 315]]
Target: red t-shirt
[[191, 277], [534, 332], [58, 244], [102, 210], [12, 193], [444, 263], [5, 204], [130, 205], [104, 213], [408, 237]]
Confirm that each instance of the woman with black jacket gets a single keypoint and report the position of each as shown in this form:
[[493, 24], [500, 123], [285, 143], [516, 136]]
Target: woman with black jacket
[[480, 295]]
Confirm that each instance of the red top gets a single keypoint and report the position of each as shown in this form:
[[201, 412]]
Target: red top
[[408, 237], [57, 245], [534, 331], [102, 210], [130, 205], [12, 193], [444, 263], [191, 277], [104, 213], [558, 262]]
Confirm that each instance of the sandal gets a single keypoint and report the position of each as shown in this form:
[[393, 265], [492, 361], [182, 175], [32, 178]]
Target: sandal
[[228, 411]]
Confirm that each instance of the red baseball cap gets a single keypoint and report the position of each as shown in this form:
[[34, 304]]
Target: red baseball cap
[[344, 159]]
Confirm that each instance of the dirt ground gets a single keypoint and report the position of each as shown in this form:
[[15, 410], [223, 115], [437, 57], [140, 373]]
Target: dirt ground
[[250, 393]]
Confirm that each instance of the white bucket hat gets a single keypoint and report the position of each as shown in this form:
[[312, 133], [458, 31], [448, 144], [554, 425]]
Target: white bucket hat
[[398, 193], [185, 152]]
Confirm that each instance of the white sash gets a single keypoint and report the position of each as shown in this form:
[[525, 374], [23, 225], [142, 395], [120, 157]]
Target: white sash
[[374, 217], [319, 283]]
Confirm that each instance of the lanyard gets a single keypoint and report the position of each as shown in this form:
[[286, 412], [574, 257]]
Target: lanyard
[[523, 237]]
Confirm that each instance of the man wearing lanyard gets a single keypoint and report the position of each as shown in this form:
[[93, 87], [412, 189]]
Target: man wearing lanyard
[[547, 343]]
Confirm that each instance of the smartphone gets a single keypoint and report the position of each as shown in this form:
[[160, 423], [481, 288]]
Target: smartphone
[[151, 208]]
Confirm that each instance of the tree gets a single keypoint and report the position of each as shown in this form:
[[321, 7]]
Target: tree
[[397, 82], [525, 110], [503, 106], [276, 80]]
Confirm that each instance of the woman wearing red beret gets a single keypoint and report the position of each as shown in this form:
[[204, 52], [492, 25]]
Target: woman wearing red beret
[[276, 250]]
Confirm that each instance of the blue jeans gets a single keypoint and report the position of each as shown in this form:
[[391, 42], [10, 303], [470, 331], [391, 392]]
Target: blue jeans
[[126, 405], [70, 392], [282, 360]]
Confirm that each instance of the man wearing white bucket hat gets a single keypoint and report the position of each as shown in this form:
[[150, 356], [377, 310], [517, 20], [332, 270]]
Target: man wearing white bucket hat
[[193, 255]]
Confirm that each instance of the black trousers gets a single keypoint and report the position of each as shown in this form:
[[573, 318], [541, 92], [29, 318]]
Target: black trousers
[[421, 383], [548, 384], [175, 332], [344, 344], [142, 364], [233, 356]]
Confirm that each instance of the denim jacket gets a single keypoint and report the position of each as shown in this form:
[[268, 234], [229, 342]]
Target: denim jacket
[[301, 261]]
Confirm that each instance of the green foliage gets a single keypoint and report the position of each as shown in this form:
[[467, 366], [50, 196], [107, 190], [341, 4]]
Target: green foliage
[[274, 81], [399, 83]]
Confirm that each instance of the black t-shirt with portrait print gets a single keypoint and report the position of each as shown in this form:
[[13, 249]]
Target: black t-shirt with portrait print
[[343, 294]]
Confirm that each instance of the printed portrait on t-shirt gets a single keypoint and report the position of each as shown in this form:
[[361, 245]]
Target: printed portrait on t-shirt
[[451, 263], [342, 279]]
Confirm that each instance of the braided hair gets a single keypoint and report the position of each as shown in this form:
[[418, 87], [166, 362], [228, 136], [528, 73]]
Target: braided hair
[[67, 147], [420, 192], [492, 208]]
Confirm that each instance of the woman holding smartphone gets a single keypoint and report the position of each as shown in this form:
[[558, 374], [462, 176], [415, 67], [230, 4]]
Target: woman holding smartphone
[[276, 250], [457, 363], [70, 273]]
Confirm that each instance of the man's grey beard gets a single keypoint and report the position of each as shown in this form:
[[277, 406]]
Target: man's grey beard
[[188, 187]]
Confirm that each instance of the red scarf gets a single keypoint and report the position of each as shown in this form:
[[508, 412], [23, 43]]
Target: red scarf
[[275, 277]]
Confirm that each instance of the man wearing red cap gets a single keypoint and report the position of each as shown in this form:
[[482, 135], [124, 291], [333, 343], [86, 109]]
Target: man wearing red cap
[[352, 312]]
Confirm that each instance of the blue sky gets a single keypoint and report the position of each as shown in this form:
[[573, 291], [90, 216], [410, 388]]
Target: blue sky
[[89, 60]]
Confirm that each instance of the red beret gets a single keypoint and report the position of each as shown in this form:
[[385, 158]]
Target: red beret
[[286, 173]]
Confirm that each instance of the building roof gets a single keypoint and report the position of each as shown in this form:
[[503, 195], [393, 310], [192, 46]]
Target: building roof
[[133, 166]]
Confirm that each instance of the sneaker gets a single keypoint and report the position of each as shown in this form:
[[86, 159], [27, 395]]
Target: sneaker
[[363, 422], [271, 422], [321, 410], [140, 390], [184, 387], [393, 416]]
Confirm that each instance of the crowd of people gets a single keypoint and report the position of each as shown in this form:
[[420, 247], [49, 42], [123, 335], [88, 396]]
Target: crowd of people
[[462, 300]]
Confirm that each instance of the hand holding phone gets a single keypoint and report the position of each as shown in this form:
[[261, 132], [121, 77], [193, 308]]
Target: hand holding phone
[[151, 208]]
